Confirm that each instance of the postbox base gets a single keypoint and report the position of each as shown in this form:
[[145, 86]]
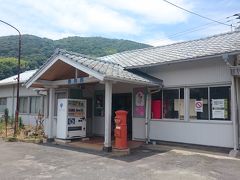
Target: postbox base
[[120, 148], [120, 144], [121, 152]]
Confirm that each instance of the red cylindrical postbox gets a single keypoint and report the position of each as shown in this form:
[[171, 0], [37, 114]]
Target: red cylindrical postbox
[[120, 131]]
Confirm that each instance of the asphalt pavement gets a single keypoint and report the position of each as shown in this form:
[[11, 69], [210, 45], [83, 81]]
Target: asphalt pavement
[[44, 161]]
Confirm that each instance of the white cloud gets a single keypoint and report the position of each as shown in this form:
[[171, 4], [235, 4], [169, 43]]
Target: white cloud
[[212, 30], [82, 17], [154, 11], [160, 41], [55, 18]]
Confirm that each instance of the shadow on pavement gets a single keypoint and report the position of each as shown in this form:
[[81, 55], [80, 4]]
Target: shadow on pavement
[[138, 154], [135, 154]]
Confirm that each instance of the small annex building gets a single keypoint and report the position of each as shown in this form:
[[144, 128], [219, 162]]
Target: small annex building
[[31, 102], [189, 90]]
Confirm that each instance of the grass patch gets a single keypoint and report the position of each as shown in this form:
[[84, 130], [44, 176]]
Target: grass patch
[[10, 139], [1, 127], [34, 134]]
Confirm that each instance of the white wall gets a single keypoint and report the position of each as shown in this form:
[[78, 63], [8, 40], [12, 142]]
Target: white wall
[[211, 134], [98, 126], [138, 129], [195, 73], [7, 91], [191, 73], [119, 88]]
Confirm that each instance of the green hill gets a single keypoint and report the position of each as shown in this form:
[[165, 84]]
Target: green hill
[[36, 50]]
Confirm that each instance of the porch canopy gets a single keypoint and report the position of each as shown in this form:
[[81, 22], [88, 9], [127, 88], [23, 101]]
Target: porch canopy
[[65, 68]]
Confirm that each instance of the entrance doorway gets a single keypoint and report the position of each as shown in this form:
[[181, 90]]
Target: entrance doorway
[[123, 101]]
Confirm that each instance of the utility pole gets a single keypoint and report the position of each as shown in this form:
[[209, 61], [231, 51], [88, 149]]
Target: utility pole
[[18, 76], [237, 18], [235, 24]]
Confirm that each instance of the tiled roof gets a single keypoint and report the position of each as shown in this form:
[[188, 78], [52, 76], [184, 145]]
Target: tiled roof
[[109, 70], [114, 66], [210, 46], [13, 79]]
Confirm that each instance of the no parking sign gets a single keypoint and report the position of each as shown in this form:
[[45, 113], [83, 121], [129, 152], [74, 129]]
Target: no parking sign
[[199, 106]]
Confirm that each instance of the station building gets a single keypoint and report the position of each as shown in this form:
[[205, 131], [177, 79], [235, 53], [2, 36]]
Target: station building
[[186, 92]]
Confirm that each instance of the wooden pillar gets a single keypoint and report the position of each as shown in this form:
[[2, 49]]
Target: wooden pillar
[[108, 114]]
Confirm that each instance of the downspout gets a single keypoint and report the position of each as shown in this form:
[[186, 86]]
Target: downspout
[[234, 106], [147, 119], [237, 111], [148, 113]]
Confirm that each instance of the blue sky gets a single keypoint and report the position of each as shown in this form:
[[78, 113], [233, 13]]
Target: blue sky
[[149, 21]]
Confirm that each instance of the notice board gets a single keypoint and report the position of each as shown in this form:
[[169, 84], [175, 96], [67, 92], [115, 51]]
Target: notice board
[[139, 102]]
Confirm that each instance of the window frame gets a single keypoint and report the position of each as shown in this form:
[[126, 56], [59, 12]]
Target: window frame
[[96, 109], [230, 105], [5, 105], [208, 97], [40, 105], [209, 120], [179, 95], [28, 102], [187, 118]]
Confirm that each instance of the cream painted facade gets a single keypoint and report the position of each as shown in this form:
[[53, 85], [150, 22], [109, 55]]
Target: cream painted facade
[[201, 73]]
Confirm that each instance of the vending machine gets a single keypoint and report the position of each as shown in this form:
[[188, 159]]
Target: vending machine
[[71, 118]]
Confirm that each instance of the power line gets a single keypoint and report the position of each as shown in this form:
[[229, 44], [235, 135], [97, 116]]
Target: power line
[[181, 34], [229, 19], [190, 30], [204, 17]]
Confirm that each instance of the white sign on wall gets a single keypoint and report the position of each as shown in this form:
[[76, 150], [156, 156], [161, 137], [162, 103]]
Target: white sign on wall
[[198, 106], [218, 108], [218, 114]]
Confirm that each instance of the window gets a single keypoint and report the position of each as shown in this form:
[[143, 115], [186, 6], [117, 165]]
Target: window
[[35, 104], [156, 106], [220, 103], [3, 104], [99, 103], [214, 103], [179, 106], [198, 95], [75, 93], [205, 103], [23, 105], [169, 97], [59, 95], [168, 104]]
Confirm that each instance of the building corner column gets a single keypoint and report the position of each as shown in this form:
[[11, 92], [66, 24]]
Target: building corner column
[[50, 114], [235, 152], [108, 114]]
